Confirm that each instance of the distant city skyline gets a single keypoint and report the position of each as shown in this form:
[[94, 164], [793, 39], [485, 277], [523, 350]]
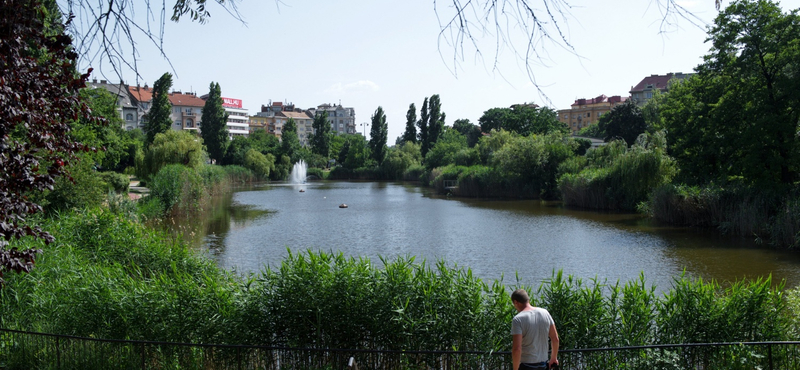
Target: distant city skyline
[[367, 54]]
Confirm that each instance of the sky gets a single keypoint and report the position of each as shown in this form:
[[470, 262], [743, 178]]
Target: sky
[[369, 53]]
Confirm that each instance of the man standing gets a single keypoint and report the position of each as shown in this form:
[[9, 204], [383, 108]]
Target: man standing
[[530, 329]]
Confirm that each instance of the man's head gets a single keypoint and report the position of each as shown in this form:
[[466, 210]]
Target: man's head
[[520, 299]]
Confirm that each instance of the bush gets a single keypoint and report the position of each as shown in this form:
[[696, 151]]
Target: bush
[[260, 164], [320, 175], [177, 185], [116, 181], [618, 178], [171, 147], [82, 188]]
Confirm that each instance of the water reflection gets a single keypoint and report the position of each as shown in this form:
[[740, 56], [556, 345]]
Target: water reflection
[[254, 228]]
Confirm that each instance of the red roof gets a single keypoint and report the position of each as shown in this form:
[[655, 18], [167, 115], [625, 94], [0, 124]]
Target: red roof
[[145, 94], [654, 81], [600, 99]]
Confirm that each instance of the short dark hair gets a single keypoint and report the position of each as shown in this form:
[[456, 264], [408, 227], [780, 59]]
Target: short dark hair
[[520, 295]]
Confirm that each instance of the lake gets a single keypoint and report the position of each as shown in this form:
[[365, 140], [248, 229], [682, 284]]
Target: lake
[[254, 228]]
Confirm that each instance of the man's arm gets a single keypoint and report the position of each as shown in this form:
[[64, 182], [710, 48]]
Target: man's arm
[[554, 342], [516, 350]]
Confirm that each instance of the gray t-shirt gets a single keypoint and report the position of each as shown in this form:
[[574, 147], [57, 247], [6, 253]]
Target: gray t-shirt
[[535, 329]]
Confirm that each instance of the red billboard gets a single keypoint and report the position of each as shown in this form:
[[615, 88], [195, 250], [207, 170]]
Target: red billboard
[[231, 103]]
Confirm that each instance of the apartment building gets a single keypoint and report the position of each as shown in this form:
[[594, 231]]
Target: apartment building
[[585, 112], [186, 107], [237, 117], [342, 119], [644, 90], [126, 106]]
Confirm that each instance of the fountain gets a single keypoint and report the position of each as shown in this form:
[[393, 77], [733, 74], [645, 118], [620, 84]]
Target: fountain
[[299, 173]]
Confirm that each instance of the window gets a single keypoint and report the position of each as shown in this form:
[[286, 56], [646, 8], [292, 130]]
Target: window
[[177, 123], [589, 114], [599, 114], [189, 123], [649, 95], [129, 117], [189, 110]]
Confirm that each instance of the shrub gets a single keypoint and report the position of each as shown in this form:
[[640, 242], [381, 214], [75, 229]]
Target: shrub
[[177, 185], [171, 147], [260, 164], [116, 181]]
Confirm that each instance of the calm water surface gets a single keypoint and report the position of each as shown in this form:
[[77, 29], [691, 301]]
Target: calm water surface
[[495, 238]]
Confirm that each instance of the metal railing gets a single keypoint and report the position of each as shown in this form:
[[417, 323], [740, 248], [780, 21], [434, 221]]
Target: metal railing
[[29, 350]]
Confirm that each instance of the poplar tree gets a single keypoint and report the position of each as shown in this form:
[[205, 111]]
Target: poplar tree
[[214, 129], [378, 135], [159, 119], [423, 127], [435, 122], [321, 139], [290, 143], [410, 136]]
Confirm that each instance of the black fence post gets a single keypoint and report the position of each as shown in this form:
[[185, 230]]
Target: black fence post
[[144, 364], [58, 353], [769, 355]]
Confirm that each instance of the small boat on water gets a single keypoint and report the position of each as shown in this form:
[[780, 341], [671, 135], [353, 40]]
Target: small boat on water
[[343, 205], [302, 190]]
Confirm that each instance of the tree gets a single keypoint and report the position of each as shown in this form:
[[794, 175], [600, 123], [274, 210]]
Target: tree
[[435, 124], [38, 99], [737, 119], [410, 135], [290, 143], [172, 147], [321, 139], [624, 121], [159, 118], [470, 131], [423, 126], [214, 129], [522, 119], [378, 135]]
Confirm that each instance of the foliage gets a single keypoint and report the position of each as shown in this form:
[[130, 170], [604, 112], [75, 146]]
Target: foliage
[[175, 184], [107, 137], [400, 159], [435, 123], [321, 139], [625, 121], [355, 152], [378, 136], [423, 124], [172, 147], [116, 181], [491, 143], [235, 150], [533, 162], [84, 188], [445, 150], [214, 129], [616, 177], [410, 134], [769, 216], [158, 119], [39, 96], [290, 143], [259, 163], [591, 131], [736, 120], [470, 131], [262, 141], [583, 145], [522, 119]]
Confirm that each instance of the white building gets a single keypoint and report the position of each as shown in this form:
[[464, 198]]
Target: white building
[[237, 117], [342, 120]]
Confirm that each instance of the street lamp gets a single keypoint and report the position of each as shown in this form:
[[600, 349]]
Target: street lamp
[[365, 124]]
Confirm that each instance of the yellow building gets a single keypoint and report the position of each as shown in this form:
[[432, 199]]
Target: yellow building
[[585, 112]]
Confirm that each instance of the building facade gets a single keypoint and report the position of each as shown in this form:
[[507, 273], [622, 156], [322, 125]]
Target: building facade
[[126, 106], [341, 119], [303, 120], [644, 90], [186, 107], [237, 117], [585, 112]]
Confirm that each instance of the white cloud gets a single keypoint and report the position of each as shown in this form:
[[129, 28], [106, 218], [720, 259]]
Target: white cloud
[[353, 87]]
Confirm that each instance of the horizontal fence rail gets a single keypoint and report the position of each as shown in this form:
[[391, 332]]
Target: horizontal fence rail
[[30, 350]]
